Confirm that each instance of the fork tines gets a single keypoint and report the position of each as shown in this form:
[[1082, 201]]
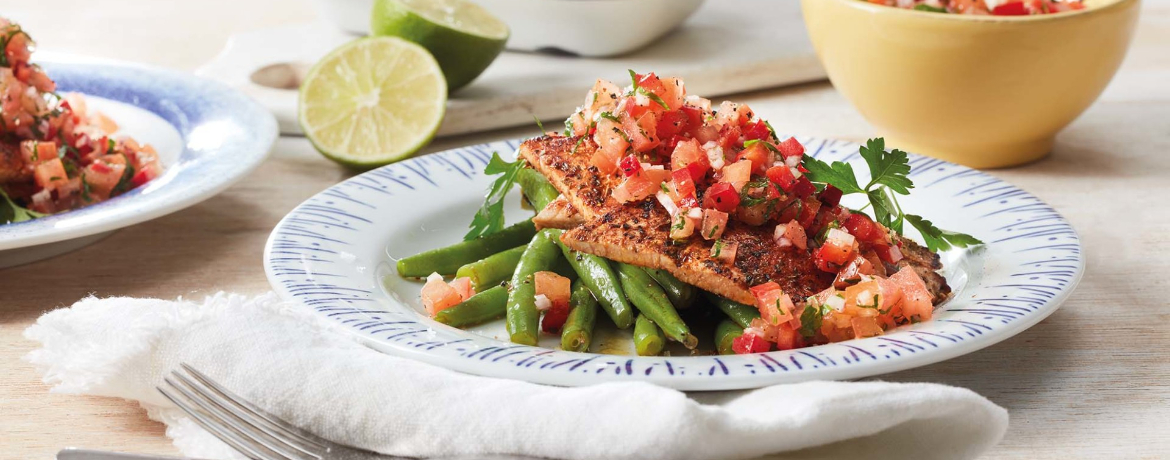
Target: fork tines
[[237, 422]]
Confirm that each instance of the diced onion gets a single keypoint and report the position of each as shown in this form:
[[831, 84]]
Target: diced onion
[[695, 213], [542, 302], [667, 203], [792, 161], [895, 254], [835, 302], [714, 155], [840, 238], [434, 277]]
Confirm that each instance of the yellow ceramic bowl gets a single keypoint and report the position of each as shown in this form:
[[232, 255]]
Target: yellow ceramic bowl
[[983, 91]]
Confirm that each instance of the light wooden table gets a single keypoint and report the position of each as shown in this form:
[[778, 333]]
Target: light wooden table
[[1091, 381]]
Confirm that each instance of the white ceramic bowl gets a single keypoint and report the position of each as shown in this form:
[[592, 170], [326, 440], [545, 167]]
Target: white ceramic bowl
[[594, 28]]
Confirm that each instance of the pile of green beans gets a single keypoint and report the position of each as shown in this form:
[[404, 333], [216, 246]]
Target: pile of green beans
[[502, 266]]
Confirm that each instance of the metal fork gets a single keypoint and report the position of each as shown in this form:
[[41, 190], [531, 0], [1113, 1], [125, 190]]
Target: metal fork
[[250, 430]]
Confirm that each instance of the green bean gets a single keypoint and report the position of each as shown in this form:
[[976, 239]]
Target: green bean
[[538, 189], [480, 308], [725, 334], [447, 261], [492, 270], [738, 312], [597, 274], [648, 338], [680, 294], [578, 330], [523, 319], [649, 299]]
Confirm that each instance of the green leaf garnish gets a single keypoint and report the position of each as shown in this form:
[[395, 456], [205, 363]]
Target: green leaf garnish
[[838, 174], [889, 172], [887, 168], [932, 9], [490, 217], [812, 317], [938, 239], [11, 213], [541, 125]]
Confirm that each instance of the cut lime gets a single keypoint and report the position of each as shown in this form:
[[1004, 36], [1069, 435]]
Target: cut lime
[[372, 101], [462, 36]]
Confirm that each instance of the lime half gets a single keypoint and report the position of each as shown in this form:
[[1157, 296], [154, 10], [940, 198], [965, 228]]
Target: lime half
[[372, 101], [462, 36]]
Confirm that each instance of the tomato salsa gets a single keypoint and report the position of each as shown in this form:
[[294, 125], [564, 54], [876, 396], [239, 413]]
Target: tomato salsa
[[987, 7], [55, 155]]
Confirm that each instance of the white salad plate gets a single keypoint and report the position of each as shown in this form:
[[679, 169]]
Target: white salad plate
[[208, 137], [335, 255]]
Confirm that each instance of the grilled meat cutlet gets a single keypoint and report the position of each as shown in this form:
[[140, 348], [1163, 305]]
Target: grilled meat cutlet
[[558, 214], [638, 234], [12, 167]]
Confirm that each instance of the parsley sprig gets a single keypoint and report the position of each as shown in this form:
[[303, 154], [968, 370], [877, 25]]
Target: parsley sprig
[[490, 217], [889, 177], [11, 213]]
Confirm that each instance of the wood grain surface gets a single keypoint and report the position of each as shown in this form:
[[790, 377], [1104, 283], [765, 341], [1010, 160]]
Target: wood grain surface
[[1091, 381]]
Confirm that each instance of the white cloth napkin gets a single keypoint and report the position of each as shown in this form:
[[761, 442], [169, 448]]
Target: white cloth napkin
[[298, 368]]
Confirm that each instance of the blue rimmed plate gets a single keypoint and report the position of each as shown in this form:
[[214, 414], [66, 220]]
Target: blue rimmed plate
[[334, 254], [207, 135]]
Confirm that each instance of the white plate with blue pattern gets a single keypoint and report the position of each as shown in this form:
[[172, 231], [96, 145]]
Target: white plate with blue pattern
[[335, 253], [208, 136]]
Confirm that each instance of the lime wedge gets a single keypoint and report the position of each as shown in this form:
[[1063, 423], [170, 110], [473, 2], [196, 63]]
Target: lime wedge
[[372, 101], [462, 36]]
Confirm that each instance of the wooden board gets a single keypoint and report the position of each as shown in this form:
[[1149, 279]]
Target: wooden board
[[726, 47]]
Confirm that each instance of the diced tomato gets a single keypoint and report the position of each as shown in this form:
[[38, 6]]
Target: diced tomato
[[721, 196], [714, 223], [102, 177], [463, 287], [1010, 9], [803, 187], [729, 137], [50, 174], [860, 226], [671, 123], [808, 212], [787, 338], [888, 254], [634, 110], [674, 93], [750, 343], [791, 148], [688, 155], [143, 176], [579, 124], [682, 186], [851, 274], [641, 131], [553, 286], [838, 247], [555, 317], [694, 118], [437, 295], [782, 177], [830, 196], [865, 327], [612, 145], [759, 156], [916, 299], [630, 165], [891, 292], [737, 174], [758, 131], [640, 186], [731, 114], [602, 98], [775, 306]]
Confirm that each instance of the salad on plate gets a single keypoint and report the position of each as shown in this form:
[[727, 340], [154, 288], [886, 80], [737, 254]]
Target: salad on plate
[[55, 155], [653, 202]]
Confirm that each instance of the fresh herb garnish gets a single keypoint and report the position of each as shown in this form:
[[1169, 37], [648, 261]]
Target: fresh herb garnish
[[812, 317], [640, 90], [932, 9], [889, 173], [541, 125], [490, 217], [11, 213]]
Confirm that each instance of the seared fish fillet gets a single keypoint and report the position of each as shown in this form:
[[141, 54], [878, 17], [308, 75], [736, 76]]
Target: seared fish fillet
[[12, 164], [558, 214], [638, 233]]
